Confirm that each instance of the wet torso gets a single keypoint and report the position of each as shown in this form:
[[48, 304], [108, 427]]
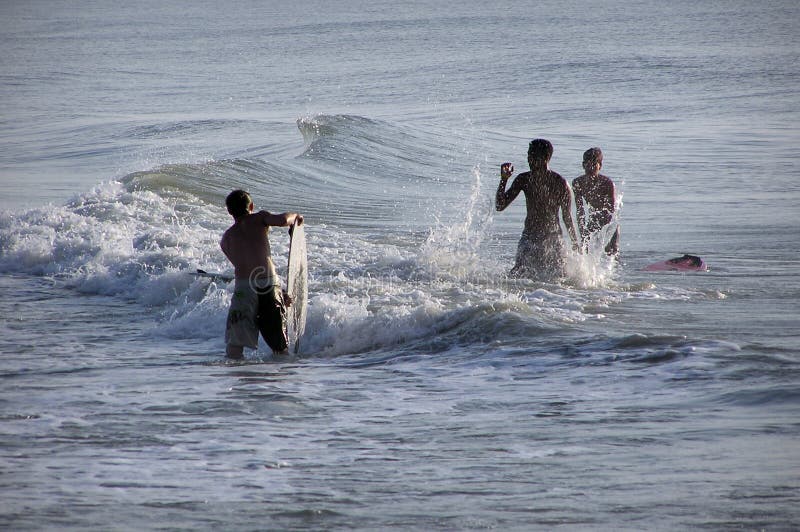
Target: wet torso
[[544, 196], [598, 193], [246, 244]]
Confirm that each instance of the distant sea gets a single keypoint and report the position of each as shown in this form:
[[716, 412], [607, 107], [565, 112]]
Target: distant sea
[[432, 391]]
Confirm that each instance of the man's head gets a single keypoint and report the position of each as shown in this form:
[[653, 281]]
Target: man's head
[[239, 203], [539, 152], [593, 157]]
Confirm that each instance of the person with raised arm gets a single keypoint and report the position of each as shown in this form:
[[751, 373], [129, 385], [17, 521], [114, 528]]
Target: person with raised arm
[[540, 253]]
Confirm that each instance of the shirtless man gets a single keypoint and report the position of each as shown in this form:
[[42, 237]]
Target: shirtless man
[[258, 302], [595, 198], [540, 252]]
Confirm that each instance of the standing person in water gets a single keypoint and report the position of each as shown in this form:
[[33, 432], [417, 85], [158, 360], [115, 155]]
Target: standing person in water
[[596, 200], [540, 252], [258, 303]]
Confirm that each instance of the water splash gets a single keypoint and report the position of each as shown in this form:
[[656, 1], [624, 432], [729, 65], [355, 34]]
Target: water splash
[[594, 268], [455, 250]]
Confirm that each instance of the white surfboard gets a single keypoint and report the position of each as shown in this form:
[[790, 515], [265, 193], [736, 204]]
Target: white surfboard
[[297, 287]]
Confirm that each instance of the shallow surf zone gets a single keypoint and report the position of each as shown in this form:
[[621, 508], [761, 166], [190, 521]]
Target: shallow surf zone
[[138, 240], [403, 257], [396, 260]]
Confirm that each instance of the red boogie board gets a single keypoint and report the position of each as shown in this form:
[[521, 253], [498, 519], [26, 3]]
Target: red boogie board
[[687, 263]]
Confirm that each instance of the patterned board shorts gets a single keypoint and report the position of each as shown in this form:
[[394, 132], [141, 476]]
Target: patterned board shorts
[[256, 309]]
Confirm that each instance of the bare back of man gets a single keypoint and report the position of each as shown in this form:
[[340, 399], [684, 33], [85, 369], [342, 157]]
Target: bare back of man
[[598, 193], [246, 243], [545, 193]]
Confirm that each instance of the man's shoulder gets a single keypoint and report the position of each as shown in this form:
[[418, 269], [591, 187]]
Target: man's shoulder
[[521, 180], [262, 216], [587, 180], [555, 176], [254, 218]]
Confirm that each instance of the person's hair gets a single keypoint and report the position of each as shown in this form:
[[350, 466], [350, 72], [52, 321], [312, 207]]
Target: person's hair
[[238, 203], [593, 155], [540, 149]]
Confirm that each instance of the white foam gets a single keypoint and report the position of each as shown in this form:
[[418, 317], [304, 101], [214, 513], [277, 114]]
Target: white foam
[[114, 241], [366, 292]]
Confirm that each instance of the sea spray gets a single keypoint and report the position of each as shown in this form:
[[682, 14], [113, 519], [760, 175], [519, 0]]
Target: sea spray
[[112, 241], [454, 251]]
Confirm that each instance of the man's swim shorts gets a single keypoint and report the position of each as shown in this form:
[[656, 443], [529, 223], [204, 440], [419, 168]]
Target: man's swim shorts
[[256, 308]]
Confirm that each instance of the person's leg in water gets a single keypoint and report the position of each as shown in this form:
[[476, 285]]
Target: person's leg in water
[[271, 320], [612, 248], [235, 352], [540, 257], [240, 326]]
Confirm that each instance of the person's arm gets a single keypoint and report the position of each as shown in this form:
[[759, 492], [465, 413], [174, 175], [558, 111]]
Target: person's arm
[[580, 209], [566, 214], [613, 197], [281, 220], [503, 197], [612, 248]]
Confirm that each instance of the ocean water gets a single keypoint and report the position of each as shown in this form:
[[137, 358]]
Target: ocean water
[[432, 392]]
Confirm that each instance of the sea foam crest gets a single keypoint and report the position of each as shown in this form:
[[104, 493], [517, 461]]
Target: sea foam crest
[[112, 241], [363, 294]]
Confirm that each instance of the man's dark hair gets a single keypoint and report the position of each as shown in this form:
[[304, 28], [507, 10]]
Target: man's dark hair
[[593, 155], [238, 203], [540, 149]]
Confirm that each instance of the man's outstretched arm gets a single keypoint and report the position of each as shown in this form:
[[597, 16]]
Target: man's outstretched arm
[[281, 220], [566, 216]]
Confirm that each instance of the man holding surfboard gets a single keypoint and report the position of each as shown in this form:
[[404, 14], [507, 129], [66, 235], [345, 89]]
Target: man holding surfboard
[[540, 252], [258, 303]]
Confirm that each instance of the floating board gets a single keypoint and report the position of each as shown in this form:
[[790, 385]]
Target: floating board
[[297, 286], [687, 263], [213, 276]]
